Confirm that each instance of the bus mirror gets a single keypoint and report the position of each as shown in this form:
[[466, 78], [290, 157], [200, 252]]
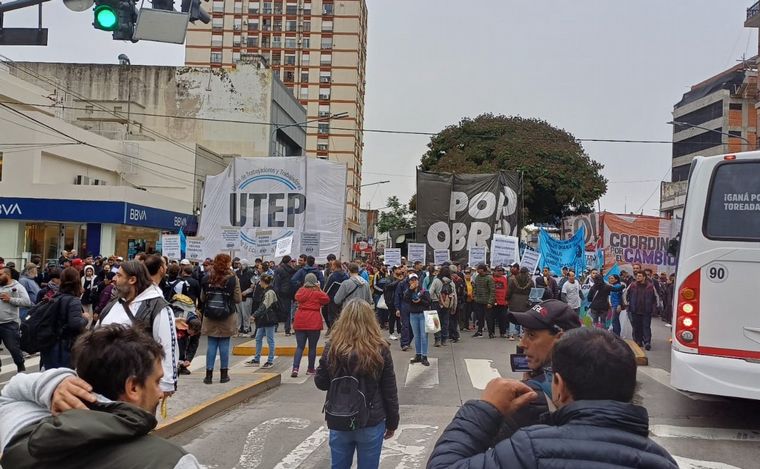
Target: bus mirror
[[673, 247]]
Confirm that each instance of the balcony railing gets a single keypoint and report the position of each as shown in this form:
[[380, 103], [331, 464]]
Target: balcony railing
[[753, 16], [753, 10]]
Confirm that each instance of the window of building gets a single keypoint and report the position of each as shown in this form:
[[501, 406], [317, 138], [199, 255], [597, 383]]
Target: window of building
[[323, 128], [216, 40], [266, 25], [291, 9], [277, 25], [325, 77], [327, 9], [290, 77], [324, 110], [735, 106], [265, 43], [304, 92], [735, 133], [237, 24], [276, 41], [700, 116], [291, 25], [216, 57], [252, 41], [253, 8], [235, 57], [217, 24], [290, 59], [327, 25], [217, 7], [236, 41], [305, 59], [323, 145], [325, 59], [305, 43], [238, 8], [307, 9], [267, 8], [697, 143], [253, 25], [290, 43], [306, 26], [304, 77], [275, 59], [324, 93]]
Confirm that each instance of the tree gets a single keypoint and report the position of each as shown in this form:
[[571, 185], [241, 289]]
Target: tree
[[398, 216], [559, 178]]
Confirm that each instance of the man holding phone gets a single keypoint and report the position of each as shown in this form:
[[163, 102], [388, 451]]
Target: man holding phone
[[543, 326]]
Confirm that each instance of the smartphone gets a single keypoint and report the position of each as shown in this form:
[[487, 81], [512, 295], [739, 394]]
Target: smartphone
[[519, 362]]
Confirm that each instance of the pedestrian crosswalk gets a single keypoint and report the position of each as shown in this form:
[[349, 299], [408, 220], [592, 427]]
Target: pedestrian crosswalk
[[8, 369]]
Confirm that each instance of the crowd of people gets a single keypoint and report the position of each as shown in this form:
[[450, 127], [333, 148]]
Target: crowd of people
[[365, 307]]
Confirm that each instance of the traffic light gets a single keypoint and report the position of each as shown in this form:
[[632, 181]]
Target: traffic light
[[117, 16], [106, 15], [196, 12]]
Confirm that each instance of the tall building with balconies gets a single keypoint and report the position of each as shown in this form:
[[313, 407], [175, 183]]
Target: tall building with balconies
[[318, 48]]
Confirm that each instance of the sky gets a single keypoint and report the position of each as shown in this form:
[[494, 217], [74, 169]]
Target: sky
[[598, 69]]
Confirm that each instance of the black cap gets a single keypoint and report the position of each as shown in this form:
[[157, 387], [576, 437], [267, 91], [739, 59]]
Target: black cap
[[550, 314]]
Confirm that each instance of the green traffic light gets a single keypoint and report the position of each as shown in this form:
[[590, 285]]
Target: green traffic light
[[106, 18]]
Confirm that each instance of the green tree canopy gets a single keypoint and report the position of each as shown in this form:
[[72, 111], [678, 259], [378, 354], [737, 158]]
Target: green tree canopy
[[397, 216], [559, 177]]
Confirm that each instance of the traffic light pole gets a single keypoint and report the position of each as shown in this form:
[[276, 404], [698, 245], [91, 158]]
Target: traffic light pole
[[22, 36]]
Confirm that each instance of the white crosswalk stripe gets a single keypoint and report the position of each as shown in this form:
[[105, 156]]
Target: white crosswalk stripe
[[481, 372], [421, 376], [663, 377]]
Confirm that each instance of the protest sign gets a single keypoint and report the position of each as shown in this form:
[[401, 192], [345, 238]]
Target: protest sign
[[417, 252], [284, 246], [310, 243], [392, 256], [441, 255], [194, 248], [170, 246], [504, 250], [530, 260], [230, 239], [477, 255]]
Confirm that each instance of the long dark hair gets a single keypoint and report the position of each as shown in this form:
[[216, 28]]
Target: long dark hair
[[138, 270], [71, 282]]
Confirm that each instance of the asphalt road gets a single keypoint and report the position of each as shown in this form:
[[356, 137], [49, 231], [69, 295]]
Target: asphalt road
[[284, 428]]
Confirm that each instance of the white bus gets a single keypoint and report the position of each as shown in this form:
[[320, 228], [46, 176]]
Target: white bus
[[716, 328]]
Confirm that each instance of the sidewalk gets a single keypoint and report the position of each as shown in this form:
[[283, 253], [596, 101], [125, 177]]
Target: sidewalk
[[285, 346]]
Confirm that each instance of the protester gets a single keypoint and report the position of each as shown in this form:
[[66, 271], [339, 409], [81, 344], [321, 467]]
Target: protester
[[70, 321], [89, 288], [500, 307], [307, 322], [266, 320], [51, 287], [139, 301], [354, 287], [336, 279], [547, 282], [484, 293], [309, 268], [616, 302], [106, 292], [245, 275], [114, 401], [358, 351], [12, 296], [284, 288], [380, 279], [27, 280], [571, 292], [417, 301], [188, 326], [596, 425], [468, 302], [599, 296], [641, 298], [394, 315]]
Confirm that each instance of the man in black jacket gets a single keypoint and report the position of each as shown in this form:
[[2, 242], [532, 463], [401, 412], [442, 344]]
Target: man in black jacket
[[593, 382], [284, 288]]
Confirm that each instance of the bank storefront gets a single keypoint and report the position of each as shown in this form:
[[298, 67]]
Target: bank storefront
[[45, 227]]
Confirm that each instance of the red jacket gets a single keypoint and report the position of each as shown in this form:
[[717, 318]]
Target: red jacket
[[309, 313], [501, 287]]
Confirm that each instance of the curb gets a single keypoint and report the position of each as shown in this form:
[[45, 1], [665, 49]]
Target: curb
[[208, 409], [638, 352], [249, 348]]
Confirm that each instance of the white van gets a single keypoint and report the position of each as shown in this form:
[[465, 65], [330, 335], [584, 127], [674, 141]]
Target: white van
[[716, 326]]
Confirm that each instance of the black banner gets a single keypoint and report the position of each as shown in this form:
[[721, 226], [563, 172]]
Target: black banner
[[458, 211]]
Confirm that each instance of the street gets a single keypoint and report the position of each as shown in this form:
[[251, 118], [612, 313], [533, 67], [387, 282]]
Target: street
[[284, 428]]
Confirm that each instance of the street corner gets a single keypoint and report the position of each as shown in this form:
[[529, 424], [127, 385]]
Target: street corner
[[201, 402], [249, 348]]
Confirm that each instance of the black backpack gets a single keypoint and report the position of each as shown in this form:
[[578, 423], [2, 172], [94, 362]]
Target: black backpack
[[40, 329], [218, 301], [347, 405]]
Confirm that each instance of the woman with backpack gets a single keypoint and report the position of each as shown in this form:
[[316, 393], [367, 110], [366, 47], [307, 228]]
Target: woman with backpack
[[70, 321], [220, 292], [308, 321], [265, 318], [356, 370]]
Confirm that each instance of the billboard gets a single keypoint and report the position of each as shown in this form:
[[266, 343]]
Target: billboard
[[629, 239]]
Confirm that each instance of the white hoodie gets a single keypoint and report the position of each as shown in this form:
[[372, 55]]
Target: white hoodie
[[163, 331]]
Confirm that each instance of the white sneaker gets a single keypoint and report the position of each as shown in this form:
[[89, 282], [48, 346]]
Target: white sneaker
[[393, 337]]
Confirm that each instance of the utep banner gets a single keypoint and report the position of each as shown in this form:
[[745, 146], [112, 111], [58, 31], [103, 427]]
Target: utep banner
[[556, 254], [284, 196], [628, 239], [460, 211]]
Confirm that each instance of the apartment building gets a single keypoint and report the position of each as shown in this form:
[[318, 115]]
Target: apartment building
[[318, 48]]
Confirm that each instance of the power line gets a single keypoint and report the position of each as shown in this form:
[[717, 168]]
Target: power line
[[655, 190]]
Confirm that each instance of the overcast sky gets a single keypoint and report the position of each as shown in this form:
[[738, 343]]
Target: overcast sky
[[599, 69]]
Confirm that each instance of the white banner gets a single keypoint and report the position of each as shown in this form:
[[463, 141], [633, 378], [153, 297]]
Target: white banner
[[477, 256], [194, 251], [310, 244], [504, 250], [170, 246], [416, 252], [392, 256], [530, 260], [441, 255], [284, 246], [286, 196]]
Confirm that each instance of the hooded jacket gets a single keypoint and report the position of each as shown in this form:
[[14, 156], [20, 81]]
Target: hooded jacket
[[9, 312], [297, 280], [354, 287], [519, 292], [608, 434], [309, 313], [111, 435]]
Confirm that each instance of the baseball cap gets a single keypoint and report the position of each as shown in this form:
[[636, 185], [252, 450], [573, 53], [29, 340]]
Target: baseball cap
[[184, 262], [411, 276], [119, 258], [499, 268], [77, 261], [550, 315]]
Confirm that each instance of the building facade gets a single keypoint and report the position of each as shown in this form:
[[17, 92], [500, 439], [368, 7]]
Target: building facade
[[110, 156], [319, 50]]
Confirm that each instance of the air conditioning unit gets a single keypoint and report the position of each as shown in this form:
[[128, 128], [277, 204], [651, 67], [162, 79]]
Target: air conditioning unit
[[81, 180]]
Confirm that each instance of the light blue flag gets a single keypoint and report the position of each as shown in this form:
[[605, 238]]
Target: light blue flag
[[182, 241], [556, 254], [614, 270]]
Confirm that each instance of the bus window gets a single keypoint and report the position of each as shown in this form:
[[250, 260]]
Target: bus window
[[733, 205]]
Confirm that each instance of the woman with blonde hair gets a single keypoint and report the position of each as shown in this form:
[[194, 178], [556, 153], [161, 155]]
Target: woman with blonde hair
[[356, 370]]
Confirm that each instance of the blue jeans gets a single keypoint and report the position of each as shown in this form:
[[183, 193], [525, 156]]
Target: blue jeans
[[514, 329], [301, 337], [221, 343], [368, 442], [269, 331], [420, 336], [616, 321], [406, 329]]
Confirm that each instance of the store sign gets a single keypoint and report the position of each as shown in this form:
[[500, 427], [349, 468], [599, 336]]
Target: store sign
[[10, 209]]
